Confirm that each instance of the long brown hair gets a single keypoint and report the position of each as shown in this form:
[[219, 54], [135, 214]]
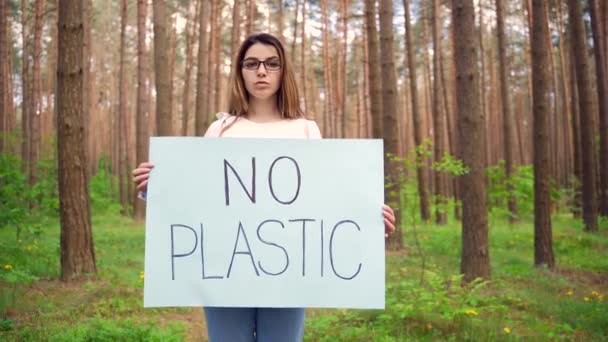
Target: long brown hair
[[288, 99]]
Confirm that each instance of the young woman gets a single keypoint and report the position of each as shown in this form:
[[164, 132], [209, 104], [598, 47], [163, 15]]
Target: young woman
[[264, 103]]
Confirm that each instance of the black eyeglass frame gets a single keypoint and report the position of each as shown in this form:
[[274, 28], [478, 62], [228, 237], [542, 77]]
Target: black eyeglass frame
[[259, 62]]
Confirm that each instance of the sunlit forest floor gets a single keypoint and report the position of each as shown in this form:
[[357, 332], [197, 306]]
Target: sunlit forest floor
[[424, 298]]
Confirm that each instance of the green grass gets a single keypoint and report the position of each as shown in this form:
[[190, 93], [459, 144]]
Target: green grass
[[423, 304]]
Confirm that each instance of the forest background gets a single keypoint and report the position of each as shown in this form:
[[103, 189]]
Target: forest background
[[494, 116]]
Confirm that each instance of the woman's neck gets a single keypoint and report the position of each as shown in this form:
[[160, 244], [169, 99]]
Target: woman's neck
[[265, 110]]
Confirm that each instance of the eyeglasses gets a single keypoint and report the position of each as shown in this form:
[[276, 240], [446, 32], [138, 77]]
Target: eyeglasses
[[271, 64]]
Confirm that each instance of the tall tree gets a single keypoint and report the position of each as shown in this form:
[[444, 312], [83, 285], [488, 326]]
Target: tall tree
[[374, 68], [421, 173], [541, 87], [25, 89], [586, 112], [475, 261], [302, 58], [141, 127], [190, 37], [389, 122], [77, 252], [602, 96], [36, 111], [161, 67], [250, 16], [122, 113], [441, 192], [506, 105], [201, 121], [236, 27], [3, 74]]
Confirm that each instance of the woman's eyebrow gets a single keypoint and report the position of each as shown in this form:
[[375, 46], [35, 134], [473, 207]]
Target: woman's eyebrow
[[248, 57]]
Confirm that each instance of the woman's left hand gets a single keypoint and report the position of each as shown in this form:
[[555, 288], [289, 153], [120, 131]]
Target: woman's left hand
[[389, 219]]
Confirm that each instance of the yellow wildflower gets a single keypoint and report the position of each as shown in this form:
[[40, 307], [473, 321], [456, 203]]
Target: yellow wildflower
[[569, 293], [506, 330], [8, 267], [586, 299], [600, 297], [471, 312], [141, 275]]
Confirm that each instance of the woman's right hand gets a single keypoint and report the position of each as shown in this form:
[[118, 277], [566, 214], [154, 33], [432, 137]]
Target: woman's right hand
[[140, 175]]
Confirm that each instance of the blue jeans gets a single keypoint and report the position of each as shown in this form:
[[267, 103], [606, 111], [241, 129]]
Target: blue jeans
[[255, 324]]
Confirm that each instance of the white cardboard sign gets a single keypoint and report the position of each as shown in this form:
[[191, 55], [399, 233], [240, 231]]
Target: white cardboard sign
[[265, 223]]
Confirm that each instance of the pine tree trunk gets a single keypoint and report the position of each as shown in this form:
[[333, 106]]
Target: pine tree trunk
[[281, 20], [235, 37], [190, 27], [441, 194], [586, 111], [566, 104], [218, 59], [475, 261], [250, 16], [142, 132], [36, 95], [122, 113], [328, 92], [201, 119], [392, 189], [374, 69], [295, 29], [576, 138], [541, 87], [506, 106], [26, 92], [602, 94], [164, 122], [77, 252], [303, 59], [482, 81], [423, 193], [4, 72], [211, 62]]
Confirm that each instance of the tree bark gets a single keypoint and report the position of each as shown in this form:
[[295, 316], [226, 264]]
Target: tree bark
[[4, 72], [190, 27], [122, 114], [235, 38], [26, 92], [218, 59], [586, 111], [602, 95], [441, 194], [36, 98], [303, 58], [201, 119], [576, 138], [392, 190], [421, 173], [475, 261], [541, 87], [506, 106], [328, 97], [374, 69], [164, 122], [250, 16], [77, 252], [142, 132], [295, 29]]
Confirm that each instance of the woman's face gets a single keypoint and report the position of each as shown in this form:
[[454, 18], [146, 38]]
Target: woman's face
[[262, 80]]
